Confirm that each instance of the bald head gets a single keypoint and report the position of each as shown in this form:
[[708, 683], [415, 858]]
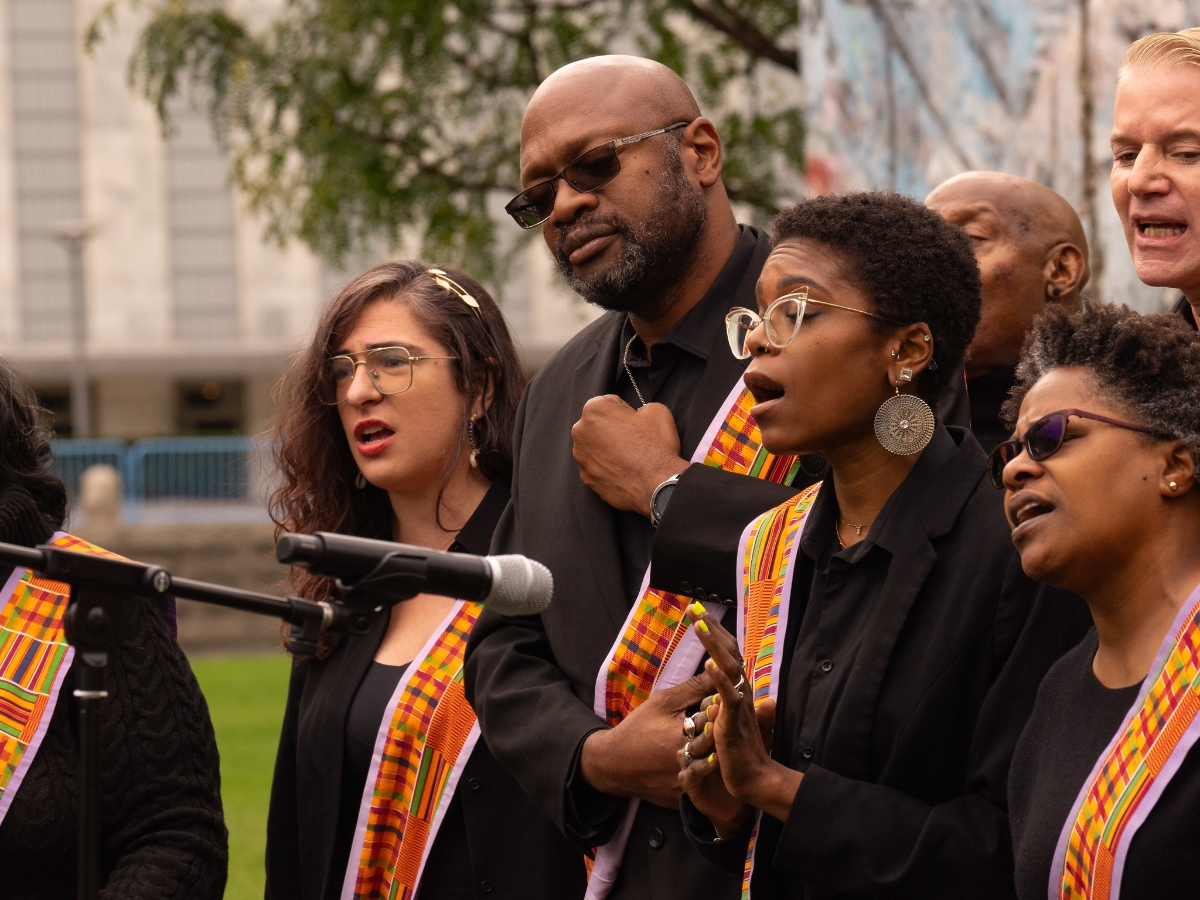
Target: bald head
[[641, 89], [1031, 251]]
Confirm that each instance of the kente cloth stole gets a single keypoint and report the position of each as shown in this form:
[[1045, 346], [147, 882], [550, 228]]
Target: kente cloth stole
[[768, 548], [419, 756], [34, 659], [1134, 770], [655, 648]]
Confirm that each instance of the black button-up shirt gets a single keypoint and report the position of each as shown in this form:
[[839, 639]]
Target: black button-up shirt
[[834, 594], [669, 375]]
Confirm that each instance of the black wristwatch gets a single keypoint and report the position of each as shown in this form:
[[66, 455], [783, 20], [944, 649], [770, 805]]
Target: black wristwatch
[[660, 498]]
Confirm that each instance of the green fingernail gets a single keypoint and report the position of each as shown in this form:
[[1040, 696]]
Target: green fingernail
[[702, 627]]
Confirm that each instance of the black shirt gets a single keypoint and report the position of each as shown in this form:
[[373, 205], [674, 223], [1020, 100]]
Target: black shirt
[[1073, 721], [1185, 309], [833, 597], [987, 394], [669, 376]]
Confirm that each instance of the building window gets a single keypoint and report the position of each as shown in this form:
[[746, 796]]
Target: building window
[[45, 99], [200, 204], [210, 407]]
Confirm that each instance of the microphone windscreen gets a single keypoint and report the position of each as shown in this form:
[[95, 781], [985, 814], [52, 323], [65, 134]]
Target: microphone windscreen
[[520, 586]]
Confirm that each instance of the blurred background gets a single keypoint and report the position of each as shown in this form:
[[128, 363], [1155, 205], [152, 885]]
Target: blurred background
[[183, 183]]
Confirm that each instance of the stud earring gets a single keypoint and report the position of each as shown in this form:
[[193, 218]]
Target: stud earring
[[905, 376], [360, 481], [473, 440], [895, 355], [925, 339], [1055, 291], [1173, 486], [904, 424]]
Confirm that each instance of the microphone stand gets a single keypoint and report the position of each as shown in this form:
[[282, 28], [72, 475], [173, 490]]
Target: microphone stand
[[100, 590]]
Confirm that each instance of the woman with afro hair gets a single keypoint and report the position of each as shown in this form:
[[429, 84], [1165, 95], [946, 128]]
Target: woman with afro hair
[[1100, 489]]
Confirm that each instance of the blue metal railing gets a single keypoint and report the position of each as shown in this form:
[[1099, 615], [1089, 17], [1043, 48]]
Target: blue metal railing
[[74, 457], [214, 472]]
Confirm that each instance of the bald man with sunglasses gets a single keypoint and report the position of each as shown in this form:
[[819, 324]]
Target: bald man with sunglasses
[[622, 174]]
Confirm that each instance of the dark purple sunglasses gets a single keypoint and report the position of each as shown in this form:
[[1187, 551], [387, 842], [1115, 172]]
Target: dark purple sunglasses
[[1043, 440]]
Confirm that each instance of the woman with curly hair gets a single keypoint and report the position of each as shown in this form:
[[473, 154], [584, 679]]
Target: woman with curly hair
[[163, 833], [396, 424], [892, 644], [1101, 492]]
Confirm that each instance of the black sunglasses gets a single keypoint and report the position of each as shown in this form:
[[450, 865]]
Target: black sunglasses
[[587, 172], [1043, 439]]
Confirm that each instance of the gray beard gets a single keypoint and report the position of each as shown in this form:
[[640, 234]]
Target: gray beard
[[652, 258]]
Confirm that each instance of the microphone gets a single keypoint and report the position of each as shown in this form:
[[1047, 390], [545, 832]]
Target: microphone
[[511, 585]]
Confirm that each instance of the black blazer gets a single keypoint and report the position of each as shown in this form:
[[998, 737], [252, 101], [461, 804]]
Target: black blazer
[[532, 679], [904, 793], [513, 851]]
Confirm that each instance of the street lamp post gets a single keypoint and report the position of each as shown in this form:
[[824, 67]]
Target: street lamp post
[[73, 236]]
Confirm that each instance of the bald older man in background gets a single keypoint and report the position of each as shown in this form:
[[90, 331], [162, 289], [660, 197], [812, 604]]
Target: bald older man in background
[[1155, 176], [1031, 251]]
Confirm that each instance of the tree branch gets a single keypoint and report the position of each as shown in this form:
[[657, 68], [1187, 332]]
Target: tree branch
[[733, 24]]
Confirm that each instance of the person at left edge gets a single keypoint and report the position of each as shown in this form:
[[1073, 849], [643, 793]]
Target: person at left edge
[[396, 423], [162, 833]]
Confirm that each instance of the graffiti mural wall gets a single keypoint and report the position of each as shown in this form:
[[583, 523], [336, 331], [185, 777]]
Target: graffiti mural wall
[[906, 93]]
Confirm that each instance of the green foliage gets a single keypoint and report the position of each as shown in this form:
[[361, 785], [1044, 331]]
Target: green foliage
[[349, 120], [246, 696]]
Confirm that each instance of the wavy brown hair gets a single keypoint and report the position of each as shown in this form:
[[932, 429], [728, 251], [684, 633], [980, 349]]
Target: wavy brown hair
[[317, 470]]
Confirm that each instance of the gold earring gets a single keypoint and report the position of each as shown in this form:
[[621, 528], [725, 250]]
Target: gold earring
[[1173, 486], [473, 440]]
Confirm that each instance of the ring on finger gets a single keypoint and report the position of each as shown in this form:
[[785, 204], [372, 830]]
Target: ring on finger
[[689, 727], [741, 684], [687, 756]]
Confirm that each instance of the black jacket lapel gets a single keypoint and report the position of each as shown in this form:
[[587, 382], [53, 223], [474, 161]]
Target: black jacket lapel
[[597, 520]]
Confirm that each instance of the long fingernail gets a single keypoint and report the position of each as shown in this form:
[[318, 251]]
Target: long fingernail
[[702, 627], [711, 757], [697, 609], [706, 728]]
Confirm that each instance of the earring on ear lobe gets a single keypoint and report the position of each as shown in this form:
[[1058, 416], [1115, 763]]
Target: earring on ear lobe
[[1173, 486], [473, 440], [904, 423], [905, 376], [1055, 291], [360, 481]]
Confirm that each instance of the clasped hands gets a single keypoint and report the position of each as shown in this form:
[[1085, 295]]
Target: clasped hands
[[625, 453], [727, 769]]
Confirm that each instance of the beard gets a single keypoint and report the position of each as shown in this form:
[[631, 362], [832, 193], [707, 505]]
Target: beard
[[653, 256]]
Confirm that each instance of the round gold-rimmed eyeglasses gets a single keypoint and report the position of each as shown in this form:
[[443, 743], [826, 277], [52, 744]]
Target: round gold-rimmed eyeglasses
[[389, 368], [782, 320]]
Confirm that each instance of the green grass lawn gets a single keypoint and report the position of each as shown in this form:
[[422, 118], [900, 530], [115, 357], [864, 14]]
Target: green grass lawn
[[245, 696]]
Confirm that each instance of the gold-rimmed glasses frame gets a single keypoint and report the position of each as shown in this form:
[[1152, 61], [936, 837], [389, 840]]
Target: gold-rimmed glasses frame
[[389, 369], [782, 320]]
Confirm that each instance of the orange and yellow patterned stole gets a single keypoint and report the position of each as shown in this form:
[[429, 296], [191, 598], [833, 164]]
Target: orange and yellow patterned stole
[[34, 659], [768, 548], [1134, 770], [655, 648], [419, 757]]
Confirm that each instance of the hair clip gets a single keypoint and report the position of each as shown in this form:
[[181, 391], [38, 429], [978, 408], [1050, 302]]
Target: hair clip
[[446, 283]]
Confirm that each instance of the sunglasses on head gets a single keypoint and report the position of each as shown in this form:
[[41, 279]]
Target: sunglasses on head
[[592, 170], [1043, 439]]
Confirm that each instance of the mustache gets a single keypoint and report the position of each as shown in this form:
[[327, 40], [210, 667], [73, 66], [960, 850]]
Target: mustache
[[616, 223]]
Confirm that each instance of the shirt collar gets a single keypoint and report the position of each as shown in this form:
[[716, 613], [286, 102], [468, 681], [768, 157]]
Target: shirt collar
[[696, 332], [476, 535], [1185, 309], [920, 488]]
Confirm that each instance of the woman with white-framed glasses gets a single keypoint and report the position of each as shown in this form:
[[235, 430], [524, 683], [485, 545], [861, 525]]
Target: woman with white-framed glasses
[[396, 423], [858, 740]]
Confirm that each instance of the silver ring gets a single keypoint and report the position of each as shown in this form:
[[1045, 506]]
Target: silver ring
[[689, 727], [741, 684], [687, 757]]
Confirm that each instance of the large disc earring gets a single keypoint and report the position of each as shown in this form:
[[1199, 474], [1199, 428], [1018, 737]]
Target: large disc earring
[[904, 424], [473, 440]]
